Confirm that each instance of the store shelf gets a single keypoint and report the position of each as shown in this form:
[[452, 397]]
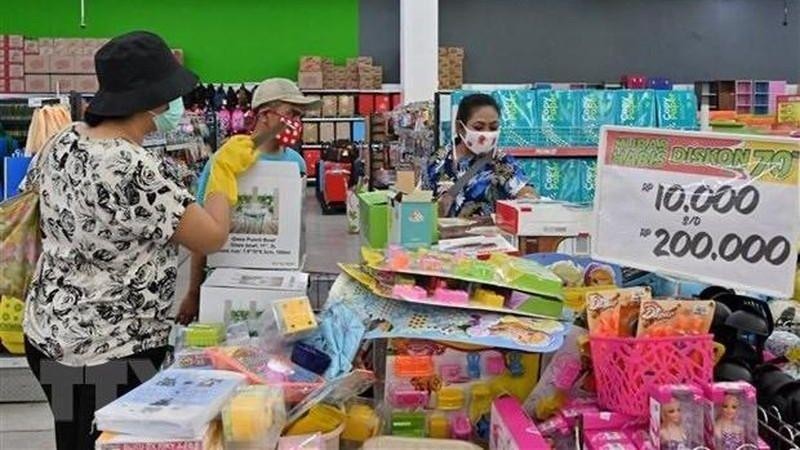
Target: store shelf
[[333, 119], [311, 146], [531, 152], [350, 91]]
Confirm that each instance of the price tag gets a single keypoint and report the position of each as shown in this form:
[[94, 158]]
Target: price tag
[[788, 107], [718, 208]]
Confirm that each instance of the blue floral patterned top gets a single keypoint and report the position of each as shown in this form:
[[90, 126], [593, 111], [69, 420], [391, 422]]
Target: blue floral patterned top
[[501, 179]]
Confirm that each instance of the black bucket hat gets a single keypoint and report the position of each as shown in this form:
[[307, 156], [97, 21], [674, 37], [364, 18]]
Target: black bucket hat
[[137, 72]]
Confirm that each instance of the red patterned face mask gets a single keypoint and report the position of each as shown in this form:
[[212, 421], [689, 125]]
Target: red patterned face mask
[[291, 133]]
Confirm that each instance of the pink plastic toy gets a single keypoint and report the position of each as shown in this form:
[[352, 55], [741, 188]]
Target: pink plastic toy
[[512, 429], [554, 426], [451, 296], [495, 365], [431, 264], [398, 258], [452, 373], [598, 438], [608, 421], [409, 292], [408, 399], [460, 427]]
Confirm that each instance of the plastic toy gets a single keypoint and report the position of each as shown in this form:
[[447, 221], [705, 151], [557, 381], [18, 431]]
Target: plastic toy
[[255, 415], [460, 426], [474, 365], [488, 298], [408, 398], [452, 373], [514, 360], [204, 334], [321, 418], [409, 291], [361, 424], [398, 259], [413, 366], [495, 365], [451, 296], [294, 317], [430, 264], [408, 424], [450, 398], [480, 401], [438, 426]]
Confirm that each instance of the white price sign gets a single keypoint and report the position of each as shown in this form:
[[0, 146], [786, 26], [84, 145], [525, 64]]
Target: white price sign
[[718, 208]]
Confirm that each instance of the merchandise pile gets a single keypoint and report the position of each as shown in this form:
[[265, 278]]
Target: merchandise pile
[[317, 72]]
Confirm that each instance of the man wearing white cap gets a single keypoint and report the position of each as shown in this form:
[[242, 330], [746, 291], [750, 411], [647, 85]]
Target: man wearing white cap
[[278, 106]]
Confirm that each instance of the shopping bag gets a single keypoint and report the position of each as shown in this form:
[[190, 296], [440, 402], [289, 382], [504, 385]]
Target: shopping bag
[[20, 242]]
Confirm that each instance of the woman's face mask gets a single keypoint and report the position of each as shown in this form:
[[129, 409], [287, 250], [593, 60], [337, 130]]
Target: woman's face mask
[[480, 142], [169, 119]]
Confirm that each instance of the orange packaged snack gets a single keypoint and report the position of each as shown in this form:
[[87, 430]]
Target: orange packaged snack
[[614, 312], [673, 317]]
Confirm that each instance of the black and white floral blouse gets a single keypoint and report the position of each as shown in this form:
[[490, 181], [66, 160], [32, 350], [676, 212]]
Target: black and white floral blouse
[[105, 280]]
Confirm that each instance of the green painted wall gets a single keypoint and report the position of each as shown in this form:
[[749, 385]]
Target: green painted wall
[[223, 40]]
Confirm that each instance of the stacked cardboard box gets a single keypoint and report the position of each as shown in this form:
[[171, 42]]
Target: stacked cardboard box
[[317, 72], [12, 59], [451, 67]]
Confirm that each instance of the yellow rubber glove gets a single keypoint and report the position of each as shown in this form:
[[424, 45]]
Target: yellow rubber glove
[[234, 157]]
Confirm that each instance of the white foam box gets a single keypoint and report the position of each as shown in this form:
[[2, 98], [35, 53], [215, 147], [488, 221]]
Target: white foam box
[[528, 217], [229, 292], [266, 230]]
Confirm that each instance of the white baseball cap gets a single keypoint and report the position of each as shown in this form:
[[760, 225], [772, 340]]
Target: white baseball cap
[[283, 90]]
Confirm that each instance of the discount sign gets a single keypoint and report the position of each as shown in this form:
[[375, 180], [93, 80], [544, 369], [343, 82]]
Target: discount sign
[[718, 208]]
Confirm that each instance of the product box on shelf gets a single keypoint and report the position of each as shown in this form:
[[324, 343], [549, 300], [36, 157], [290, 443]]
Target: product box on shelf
[[310, 64], [528, 217], [37, 64], [15, 85], [84, 64], [309, 80], [15, 56], [596, 107], [13, 70], [62, 63], [637, 108], [37, 83], [557, 110], [86, 83], [675, 412], [63, 83], [31, 46], [330, 105], [266, 222], [374, 216], [12, 41], [414, 219], [731, 415], [512, 429], [677, 109], [236, 293]]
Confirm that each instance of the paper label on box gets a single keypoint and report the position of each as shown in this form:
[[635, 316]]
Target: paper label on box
[[266, 227]]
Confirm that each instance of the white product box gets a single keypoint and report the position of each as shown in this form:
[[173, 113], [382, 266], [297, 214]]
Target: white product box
[[236, 292], [528, 217], [266, 230]]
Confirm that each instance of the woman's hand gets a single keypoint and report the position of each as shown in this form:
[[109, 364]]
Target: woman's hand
[[190, 305]]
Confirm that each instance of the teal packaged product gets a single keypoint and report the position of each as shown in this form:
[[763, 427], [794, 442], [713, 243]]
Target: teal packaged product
[[571, 186], [532, 169], [588, 184], [557, 117], [596, 107], [637, 108], [552, 178], [518, 117], [414, 221], [677, 109]]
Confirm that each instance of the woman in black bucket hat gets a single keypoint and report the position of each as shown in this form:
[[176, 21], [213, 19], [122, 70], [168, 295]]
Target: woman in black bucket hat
[[96, 312]]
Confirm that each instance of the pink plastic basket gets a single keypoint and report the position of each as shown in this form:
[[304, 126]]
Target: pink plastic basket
[[626, 368]]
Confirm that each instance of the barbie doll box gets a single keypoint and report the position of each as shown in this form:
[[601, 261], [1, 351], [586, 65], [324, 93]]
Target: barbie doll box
[[512, 429], [240, 294], [731, 416], [266, 230], [676, 416]]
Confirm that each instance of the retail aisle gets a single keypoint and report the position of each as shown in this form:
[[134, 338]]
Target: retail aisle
[[29, 426]]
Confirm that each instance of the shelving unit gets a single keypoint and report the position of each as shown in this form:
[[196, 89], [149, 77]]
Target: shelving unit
[[744, 96], [333, 119], [761, 97], [776, 88], [566, 152]]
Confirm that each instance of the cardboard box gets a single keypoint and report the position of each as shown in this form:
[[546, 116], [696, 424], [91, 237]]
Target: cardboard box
[[15, 70], [63, 83], [37, 64], [512, 429], [16, 56], [37, 83], [61, 63], [309, 80], [16, 85], [31, 46], [314, 111], [347, 106], [266, 224], [528, 217], [414, 220], [84, 64], [234, 293], [14, 41], [310, 64], [327, 132], [86, 83], [344, 130], [310, 133], [330, 106], [3, 84], [373, 209]]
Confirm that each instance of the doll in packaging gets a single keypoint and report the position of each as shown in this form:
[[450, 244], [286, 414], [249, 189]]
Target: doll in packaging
[[674, 413], [733, 414]]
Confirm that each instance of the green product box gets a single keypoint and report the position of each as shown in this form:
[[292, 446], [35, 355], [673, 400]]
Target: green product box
[[374, 216]]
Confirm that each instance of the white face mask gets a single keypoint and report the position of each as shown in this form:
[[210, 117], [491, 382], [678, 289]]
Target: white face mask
[[480, 142]]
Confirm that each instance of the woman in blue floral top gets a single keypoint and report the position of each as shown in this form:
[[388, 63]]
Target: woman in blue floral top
[[477, 130]]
